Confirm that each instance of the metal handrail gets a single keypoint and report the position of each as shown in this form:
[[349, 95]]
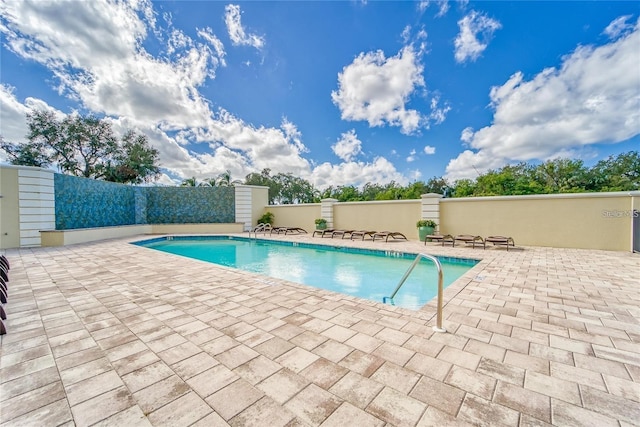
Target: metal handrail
[[260, 227], [438, 327]]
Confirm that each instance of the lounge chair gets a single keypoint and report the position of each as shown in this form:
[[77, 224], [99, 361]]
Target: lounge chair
[[287, 230], [342, 233], [322, 233], [444, 238], [362, 234], [469, 239], [501, 241], [386, 234]]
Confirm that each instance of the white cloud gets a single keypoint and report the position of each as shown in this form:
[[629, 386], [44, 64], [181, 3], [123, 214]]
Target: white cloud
[[12, 116], [356, 173], [376, 89], [412, 156], [214, 41], [618, 27], [592, 98], [443, 6], [438, 114], [94, 51], [428, 150], [348, 146], [236, 31], [476, 30]]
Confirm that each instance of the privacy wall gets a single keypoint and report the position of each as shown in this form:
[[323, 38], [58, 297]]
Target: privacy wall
[[88, 203]]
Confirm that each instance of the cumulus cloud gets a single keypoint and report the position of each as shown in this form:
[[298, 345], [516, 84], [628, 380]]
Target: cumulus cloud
[[356, 173], [592, 98], [12, 116], [348, 146], [429, 150], [476, 30], [376, 89], [237, 33], [95, 54]]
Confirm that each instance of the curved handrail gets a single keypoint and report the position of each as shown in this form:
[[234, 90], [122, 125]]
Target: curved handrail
[[260, 227], [438, 327]]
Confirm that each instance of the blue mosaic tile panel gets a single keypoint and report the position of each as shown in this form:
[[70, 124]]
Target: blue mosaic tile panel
[[87, 203], [140, 204], [84, 203], [183, 205]]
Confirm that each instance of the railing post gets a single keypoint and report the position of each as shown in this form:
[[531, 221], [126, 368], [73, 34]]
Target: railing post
[[438, 327]]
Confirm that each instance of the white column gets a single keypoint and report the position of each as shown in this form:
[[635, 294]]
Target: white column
[[36, 202], [430, 208], [326, 210], [244, 206]]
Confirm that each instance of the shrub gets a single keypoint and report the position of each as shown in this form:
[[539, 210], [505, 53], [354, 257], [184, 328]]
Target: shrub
[[267, 218], [426, 223]]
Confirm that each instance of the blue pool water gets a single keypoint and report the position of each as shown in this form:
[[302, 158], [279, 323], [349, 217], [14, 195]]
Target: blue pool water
[[370, 274]]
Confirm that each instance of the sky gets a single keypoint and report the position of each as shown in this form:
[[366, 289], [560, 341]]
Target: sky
[[335, 92]]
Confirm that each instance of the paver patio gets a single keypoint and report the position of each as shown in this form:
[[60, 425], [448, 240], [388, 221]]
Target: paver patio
[[113, 334]]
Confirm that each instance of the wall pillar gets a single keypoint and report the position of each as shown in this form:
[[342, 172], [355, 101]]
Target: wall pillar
[[244, 206], [326, 210], [250, 203], [430, 208], [36, 201]]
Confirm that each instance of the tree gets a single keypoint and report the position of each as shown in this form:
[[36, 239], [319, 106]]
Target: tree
[[135, 162], [25, 155], [190, 182], [294, 189], [84, 146], [224, 180], [620, 173], [264, 179], [563, 176]]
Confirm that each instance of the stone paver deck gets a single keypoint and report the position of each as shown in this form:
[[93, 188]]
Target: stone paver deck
[[113, 334]]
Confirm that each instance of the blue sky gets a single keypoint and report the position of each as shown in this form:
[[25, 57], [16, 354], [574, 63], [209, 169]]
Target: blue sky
[[339, 93]]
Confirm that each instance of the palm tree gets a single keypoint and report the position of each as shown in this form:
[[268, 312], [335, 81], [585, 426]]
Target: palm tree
[[189, 182], [224, 180]]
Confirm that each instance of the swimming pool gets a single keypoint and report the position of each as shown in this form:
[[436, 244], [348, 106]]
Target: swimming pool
[[363, 273]]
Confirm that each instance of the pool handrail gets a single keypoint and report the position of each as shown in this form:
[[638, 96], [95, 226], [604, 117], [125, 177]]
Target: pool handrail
[[438, 327]]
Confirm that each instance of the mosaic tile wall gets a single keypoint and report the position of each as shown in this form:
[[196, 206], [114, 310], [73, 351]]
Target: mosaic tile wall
[[183, 205], [84, 203]]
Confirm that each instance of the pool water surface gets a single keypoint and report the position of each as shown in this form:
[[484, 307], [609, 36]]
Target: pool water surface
[[369, 274]]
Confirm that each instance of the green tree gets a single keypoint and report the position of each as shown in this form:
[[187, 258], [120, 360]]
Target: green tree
[[464, 188], [264, 179], [294, 189], [342, 193], [25, 155], [84, 146], [135, 162], [563, 176], [620, 173], [189, 182], [225, 180]]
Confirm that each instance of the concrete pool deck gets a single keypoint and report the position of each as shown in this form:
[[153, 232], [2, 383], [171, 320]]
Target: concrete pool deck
[[113, 334]]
